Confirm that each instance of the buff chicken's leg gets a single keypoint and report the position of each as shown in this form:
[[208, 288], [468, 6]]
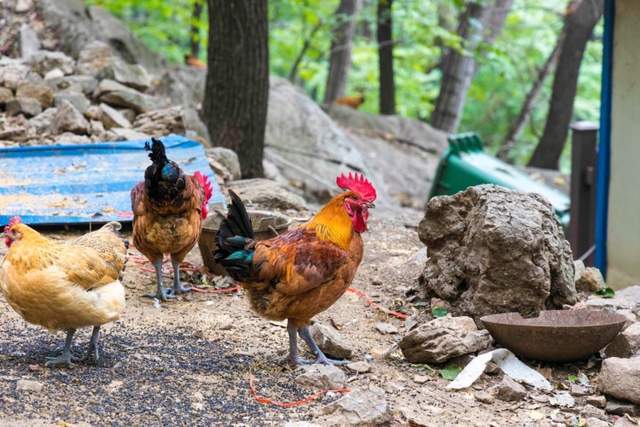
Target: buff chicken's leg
[[178, 288], [66, 358], [320, 356], [94, 346]]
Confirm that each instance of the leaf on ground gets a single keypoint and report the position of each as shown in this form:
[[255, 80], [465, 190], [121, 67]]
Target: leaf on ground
[[606, 293], [439, 311], [450, 372], [572, 378]]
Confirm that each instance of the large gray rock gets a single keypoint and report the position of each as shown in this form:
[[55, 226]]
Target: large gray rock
[[77, 99], [620, 378], [133, 75], [494, 250], [28, 107], [443, 339], [266, 194], [96, 60], [304, 143], [43, 122], [228, 158], [112, 118], [178, 119], [116, 94], [29, 41]]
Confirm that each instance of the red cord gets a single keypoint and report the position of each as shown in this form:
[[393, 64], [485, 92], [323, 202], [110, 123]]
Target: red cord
[[377, 306], [268, 401]]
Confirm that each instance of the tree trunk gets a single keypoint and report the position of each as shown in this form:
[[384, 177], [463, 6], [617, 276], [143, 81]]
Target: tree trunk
[[340, 60], [581, 17], [385, 58], [194, 36], [237, 86], [480, 22], [529, 102], [457, 70]]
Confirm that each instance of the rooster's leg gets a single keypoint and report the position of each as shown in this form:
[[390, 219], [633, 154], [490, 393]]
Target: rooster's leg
[[320, 356], [178, 288], [294, 359], [65, 359], [161, 293]]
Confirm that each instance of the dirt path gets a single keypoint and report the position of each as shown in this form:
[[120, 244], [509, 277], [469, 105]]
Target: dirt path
[[186, 362]]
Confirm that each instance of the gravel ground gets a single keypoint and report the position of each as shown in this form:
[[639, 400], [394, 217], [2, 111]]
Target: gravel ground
[[187, 362]]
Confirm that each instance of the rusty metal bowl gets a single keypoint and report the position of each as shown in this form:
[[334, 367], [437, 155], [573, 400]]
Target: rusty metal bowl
[[266, 224], [555, 335]]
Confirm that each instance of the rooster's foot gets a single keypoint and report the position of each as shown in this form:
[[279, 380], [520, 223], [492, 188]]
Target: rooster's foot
[[64, 360], [164, 295], [299, 361], [324, 360], [180, 288]]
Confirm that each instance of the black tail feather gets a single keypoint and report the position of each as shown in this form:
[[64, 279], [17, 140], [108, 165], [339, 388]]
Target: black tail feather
[[235, 240]]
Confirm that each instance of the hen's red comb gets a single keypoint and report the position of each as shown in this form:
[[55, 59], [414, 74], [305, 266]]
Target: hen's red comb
[[13, 221], [358, 184]]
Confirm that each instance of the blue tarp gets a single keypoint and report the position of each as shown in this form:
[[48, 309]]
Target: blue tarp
[[85, 183]]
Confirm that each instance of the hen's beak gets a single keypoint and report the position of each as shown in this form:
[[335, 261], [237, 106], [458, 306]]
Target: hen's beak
[[371, 206]]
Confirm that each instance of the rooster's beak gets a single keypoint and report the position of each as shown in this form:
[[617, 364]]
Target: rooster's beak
[[371, 206]]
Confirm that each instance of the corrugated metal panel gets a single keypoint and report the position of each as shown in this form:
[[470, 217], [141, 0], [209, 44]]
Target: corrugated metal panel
[[85, 183]]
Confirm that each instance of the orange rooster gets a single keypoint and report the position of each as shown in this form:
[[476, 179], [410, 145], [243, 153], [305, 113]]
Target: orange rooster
[[353, 101], [168, 209], [304, 271], [65, 285]]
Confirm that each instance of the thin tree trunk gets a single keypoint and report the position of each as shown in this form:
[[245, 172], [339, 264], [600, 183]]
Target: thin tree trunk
[[529, 102], [237, 85], [194, 36], [385, 58], [305, 46], [581, 17], [458, 69], [340, 60]]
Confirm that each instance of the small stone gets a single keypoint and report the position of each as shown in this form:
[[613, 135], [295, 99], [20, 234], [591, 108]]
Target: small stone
[[44, 61], [492, 369], [626, 343], [322, 376], [94, 112], [28, 106], [69, 119], [111, 118], [77, 99], [420, 379], [484, 397], [626, 422], [509, 390], [40, 92], [71, 138], [615, 407], [579, 390], [129, 134], [29, 42], [597, 401], [42, 122], [23, 6], [620, 378], [386, 328], [96, 128], [359, 407], [595, 422], [6, 95], [562, 399], [591, 280], [56, 73], [591, 411], [87, 84], [359, 367], [330, 341], [128, 114], [29, 386]]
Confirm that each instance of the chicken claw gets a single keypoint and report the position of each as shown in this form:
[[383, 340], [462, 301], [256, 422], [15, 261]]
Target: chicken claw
[[161, 294], [94, 347], [66, 359], [178, 287], [321, 358]]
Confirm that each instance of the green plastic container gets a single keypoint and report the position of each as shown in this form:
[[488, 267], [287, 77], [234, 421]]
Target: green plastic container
[[465, 164]]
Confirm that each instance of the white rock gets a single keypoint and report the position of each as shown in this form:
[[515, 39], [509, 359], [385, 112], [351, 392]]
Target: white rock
[[620, 378], [322, 376], [361, 406], [29, 386]]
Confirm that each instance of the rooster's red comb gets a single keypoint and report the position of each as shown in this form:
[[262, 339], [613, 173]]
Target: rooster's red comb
[[358, 184]]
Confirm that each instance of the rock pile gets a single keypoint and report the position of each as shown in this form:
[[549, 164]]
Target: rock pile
[[49, 97]]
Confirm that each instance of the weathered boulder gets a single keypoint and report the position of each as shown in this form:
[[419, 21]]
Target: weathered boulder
[[117, 94], [626, 344], [330, 341], [29, 107], [359, 407], [620, 378], [304, 143], [133, 75], [69, 119], [266, 194], [494, 250], [77, 99], [443, 339]]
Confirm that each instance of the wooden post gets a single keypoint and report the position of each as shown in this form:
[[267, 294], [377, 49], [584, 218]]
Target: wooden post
[[583, 189]]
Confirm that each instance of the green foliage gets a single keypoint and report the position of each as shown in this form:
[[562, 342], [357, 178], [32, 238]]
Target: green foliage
[[606, 293], [504, 74], [450, 372], [439, 311]]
